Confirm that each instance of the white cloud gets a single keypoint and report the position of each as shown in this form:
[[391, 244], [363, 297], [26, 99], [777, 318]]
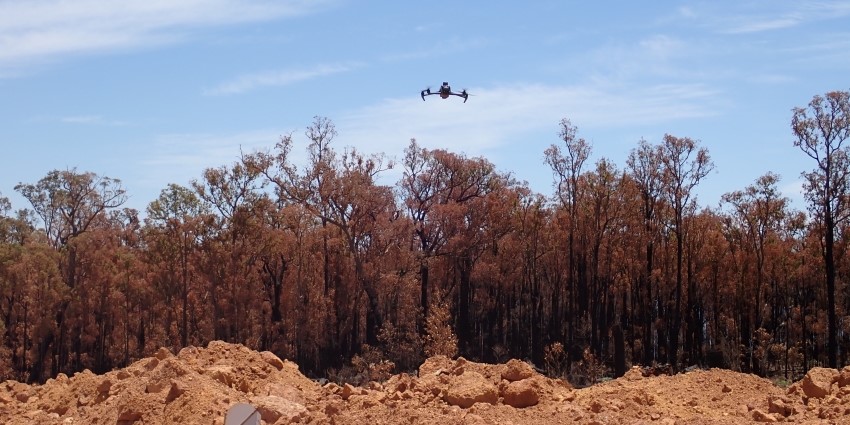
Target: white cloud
[[661, 46], [794, 14], [770, 79], [90, 119], [42, 29], [207, 150], [181, 158], [655, 56], [750, 25], [687, 12], [493, 117], [449, 47], [249, 82]]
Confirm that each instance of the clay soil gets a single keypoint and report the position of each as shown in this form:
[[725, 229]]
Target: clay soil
[[199, 385]]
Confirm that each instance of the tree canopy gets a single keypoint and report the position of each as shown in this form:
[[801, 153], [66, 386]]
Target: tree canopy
[[329, 264]]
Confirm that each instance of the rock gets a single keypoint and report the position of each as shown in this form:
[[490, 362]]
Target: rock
[[517, 370], [596, 406], [152, 363], [435, 365], [5, 399], [129, 415], [154, 387], [817, 383], [843, 378], [104, 386], [333, 408], [285, 391], [176, 390], [521, 394], [470, 388], [780, 406], [347, 391], [760, 416], [272, 359], [633, 374], [188, 352], [273, 408], [223, 374], [163, 353]]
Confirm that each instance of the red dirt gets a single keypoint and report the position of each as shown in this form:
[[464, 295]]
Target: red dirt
[[198, 385]]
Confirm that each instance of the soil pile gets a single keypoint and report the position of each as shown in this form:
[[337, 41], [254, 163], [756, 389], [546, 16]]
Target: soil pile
[[199, 385]]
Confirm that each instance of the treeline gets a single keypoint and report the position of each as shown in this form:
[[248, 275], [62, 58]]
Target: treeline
[[324, 265]]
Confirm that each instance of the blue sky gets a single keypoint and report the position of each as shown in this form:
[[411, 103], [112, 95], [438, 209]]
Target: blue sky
[[154, 91]]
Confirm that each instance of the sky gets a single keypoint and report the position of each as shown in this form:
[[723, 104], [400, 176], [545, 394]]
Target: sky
[[152, 92]]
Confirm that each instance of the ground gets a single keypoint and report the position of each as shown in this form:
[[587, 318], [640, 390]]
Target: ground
[[199, 385]]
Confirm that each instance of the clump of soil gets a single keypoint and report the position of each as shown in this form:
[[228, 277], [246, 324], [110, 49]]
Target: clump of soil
[[199, 385]]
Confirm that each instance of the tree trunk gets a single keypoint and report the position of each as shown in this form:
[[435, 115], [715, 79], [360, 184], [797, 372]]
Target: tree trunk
[[464, 323], [829, 261]]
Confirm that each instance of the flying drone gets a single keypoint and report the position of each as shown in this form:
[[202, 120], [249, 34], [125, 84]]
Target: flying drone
[[445, 92]]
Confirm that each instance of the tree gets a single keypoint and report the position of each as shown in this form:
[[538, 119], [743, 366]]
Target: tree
[[820, 131], [436, 183], [174, 221], [342, 193], [232, 191], [644, 163], [603, 204], [759, 211], [566, 166], [68, 203], [683, 166]]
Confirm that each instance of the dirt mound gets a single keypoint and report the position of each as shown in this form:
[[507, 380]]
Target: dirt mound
[[199, 385]]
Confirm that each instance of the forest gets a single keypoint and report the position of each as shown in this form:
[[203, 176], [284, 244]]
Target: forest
[[323, 264]]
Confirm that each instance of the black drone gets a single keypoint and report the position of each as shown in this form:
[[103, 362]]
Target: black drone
[[445, 92]]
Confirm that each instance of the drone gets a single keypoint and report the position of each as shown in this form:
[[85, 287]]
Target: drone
[[445, 92]]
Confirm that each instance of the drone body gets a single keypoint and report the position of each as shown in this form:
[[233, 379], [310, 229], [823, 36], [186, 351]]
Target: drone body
[[445, 92]]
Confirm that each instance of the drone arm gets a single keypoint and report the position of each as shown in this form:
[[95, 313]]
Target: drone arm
[[464, 95]]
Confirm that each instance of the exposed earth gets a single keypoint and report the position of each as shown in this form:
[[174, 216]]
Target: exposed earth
[[199, 385]]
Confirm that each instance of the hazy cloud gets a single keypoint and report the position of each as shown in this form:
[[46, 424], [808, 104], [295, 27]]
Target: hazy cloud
[[42, 29], [448, 47], [797, 13], [758, 25], [91, 120], [181, 158], [249, 82], [206, 150], [493, 116]]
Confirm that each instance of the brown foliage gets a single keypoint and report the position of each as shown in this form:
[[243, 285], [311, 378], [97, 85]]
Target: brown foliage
[[327, 265]]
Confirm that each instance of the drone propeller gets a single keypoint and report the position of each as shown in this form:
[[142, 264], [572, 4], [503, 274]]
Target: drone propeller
[[425, 92]]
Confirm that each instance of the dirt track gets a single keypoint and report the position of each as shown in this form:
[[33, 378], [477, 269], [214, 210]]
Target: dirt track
[[198, 385]]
